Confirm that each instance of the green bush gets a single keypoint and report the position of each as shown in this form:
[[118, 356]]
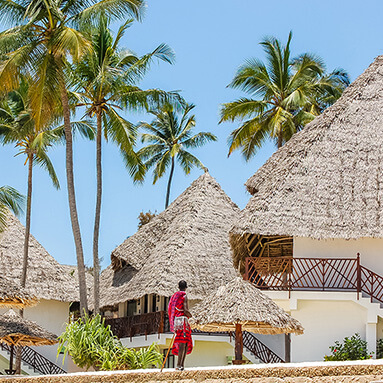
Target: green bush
[[353, 348], [379, 349], [92, 344]]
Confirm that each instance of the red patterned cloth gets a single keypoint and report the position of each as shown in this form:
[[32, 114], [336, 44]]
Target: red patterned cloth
[[179, 323]]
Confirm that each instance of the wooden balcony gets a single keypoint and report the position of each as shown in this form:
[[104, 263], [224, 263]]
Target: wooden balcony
[[144, 324], [313, 274]]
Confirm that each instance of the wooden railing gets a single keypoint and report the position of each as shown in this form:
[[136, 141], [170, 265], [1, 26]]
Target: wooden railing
[[143, 324], [38, 362], [325, 274]]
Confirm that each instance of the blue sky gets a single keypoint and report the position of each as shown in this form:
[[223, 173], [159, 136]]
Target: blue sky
[[211, 38]]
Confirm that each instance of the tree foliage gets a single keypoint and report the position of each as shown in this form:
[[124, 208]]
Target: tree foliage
[[10, 200], [92, 344], [145, 218], [168, 136], [284, 95]]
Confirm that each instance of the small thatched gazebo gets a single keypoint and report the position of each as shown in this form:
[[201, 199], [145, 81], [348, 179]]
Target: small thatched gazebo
[[188, 240], [239, 306], [17, 331], [12, 295], [326, 182]]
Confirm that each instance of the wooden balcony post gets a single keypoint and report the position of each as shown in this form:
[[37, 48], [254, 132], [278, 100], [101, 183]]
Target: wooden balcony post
[[247, 268], [358, 275], [162, 323]]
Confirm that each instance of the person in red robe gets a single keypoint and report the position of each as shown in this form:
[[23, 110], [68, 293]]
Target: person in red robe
[[179, 313]]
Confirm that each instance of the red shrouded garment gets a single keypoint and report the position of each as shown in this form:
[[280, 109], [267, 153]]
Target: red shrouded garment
[[179, 323]]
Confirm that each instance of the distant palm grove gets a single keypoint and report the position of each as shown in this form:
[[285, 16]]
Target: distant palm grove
[[63, 70]]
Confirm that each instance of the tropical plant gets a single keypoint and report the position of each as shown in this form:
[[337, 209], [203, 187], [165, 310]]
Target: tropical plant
[[106, 80], [10, 200], [379, 349], [145, 218], [285, 94], [17, 127], [92, 344], [168, 137], [43, 37], [353, 348]]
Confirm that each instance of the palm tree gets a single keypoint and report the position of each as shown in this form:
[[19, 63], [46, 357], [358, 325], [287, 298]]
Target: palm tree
[[168, 137], [285, 94], [17, 127], [10, 200], [106, 81], [44, 36]]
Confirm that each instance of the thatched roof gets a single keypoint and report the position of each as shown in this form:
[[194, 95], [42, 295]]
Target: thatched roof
[[327, 181], [19, 331], [240, 302], [46, 278], [189, 240], [13, 295], [72, 271]]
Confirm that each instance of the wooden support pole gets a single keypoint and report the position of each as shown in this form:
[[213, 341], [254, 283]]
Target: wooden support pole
[[238, 341], [287, 348]]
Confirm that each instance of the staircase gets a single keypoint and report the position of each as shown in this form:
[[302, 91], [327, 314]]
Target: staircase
[[37, 362], [259, 349]]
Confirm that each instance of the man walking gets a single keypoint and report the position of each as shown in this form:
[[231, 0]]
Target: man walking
[[178, 319]]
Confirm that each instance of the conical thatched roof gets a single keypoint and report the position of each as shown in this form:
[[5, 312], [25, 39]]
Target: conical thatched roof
[[189, 240], [46, 278], [72, 271], [19, 331], [327, 181], [240, 302], [13, 295]]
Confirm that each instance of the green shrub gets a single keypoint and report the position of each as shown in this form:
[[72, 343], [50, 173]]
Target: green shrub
[[353, 348], [92, 344], [379, 349]]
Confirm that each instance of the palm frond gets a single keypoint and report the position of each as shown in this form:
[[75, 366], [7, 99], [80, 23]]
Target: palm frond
[[11, 199], [187, 161], [199, 140]]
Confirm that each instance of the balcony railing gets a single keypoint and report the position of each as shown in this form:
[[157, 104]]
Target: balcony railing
[[325, 274], [144, 324]]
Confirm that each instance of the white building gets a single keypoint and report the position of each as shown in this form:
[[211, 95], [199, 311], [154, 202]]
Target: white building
[[316, 204]]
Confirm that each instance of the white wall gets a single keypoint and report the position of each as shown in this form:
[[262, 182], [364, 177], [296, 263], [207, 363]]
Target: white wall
[[324, 323], [207, 353], [51, 315], [370, 249]]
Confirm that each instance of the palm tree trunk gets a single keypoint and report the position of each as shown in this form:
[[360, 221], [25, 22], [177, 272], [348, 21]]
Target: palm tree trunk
[[96, 233], [280, 138], [72, 199], [28, 222], [169, 184], [26, 249]]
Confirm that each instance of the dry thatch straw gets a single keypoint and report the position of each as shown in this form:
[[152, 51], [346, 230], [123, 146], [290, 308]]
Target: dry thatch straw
[[239, 302], [12, 295], [18, 331], [72, 271], [327, 181], [186, 241], [46, 278]]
